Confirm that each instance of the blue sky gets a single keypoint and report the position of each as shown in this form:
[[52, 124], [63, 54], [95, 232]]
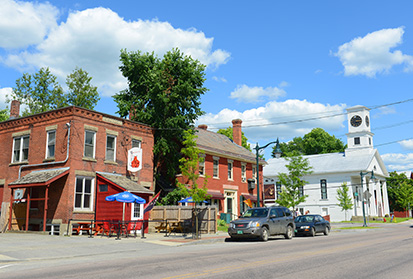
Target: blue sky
[[268, 62]]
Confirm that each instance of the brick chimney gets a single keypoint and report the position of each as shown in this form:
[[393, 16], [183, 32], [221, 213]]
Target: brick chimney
[[14, 109], [203, 127], [236, 131]]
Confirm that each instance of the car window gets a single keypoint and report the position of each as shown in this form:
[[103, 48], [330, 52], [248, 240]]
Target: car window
[[280, 212], [287, 212], [256, 212], [304, 219], [273, 212]]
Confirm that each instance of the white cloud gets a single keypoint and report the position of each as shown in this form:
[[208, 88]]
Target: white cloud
[[25, 23], [279, 119], [372, 54], [219, 79], [407, 144], [398, 162], [3, 92], [246, 94], [92, 39]]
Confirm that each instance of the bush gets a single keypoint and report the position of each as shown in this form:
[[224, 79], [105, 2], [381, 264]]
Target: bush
[[221, 223]]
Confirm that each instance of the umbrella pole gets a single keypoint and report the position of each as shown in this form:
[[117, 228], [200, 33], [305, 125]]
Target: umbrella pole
[[123, 213]]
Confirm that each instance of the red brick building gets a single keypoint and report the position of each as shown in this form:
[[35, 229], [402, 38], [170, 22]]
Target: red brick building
[[231, 169], [60, 165]]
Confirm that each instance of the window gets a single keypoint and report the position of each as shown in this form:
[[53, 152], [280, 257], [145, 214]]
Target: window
[[136, 143], [230, 167], [243, 172], [89, 144], [357, 141], [301, 190], [103, 187], [278, 188], [254, 171], [83, 193], [201, 165], [323, 185], [111, 148], [136, 214], [21, 149], [51, 144], [216, 167]]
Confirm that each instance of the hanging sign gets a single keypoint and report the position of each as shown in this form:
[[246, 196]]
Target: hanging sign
[[135, 159]]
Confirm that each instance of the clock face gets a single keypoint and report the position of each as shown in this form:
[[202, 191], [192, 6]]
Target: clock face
[[355, 121], [367, 121]]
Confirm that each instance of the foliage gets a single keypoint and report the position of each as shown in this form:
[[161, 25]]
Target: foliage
[[344, 198], [189, 169], [4, 115], [229, 133], [80, 92], [292, 182], [398, 189], [41, 92], [164, 93], [317, 141], [172, 198]]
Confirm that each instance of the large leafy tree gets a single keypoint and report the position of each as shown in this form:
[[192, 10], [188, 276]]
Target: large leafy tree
[[292, 193], [164, 93], [317, 141], [400, 191], [40, 92], [229, 133], [4, 115], [80, 91], [344, 198]]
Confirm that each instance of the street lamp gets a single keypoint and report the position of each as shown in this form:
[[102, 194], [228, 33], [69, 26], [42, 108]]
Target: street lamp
[[257, 149], [362, 174]]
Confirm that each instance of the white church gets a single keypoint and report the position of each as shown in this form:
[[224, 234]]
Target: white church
[[354, 166]]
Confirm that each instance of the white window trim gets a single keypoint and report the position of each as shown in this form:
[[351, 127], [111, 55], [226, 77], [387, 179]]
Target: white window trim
[[114, 148], [230, 170], [94, 144], [213, 167], [47, 144], [20, 149], [92, 188], [243, 172]]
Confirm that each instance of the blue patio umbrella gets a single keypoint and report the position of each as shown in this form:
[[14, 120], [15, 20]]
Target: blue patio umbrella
[[125, 197], [189, 200]]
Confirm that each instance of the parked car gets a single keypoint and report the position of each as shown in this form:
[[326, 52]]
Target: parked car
[[262, 222], [311, 224]]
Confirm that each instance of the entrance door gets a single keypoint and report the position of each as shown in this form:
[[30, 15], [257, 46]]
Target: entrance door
[[229, 207], [137, 213], [231, 204]]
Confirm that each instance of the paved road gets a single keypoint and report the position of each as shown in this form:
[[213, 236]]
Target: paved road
[[386, 252]]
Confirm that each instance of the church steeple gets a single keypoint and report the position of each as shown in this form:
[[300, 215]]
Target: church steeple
[[359, 134]]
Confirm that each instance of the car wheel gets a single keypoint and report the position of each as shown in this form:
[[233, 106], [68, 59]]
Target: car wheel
[[312, 233], [289, 233], [326, 230], [264, 234]]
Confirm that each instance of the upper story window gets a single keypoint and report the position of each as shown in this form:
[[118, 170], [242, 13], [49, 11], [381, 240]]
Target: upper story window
[[230, 169], [111, 148], [83, 193], [243, 172], [136, 143], [51, 144], [201, 165], [215, 167], [301, 191], [278, 189], [90, 140], [323, 186], [254, 171], [21, 149], [357, 141]]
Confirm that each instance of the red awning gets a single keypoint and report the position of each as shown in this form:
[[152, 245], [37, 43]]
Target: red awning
[[251, 197], [216, 195]]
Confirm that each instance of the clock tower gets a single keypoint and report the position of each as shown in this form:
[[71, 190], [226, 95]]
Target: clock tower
[[359, 134]]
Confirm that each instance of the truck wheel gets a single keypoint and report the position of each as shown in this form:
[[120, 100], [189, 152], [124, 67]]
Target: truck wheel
[[289, 233], [264, 234]]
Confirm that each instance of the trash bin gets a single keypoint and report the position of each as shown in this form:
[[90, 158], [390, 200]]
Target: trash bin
[[226, 217]]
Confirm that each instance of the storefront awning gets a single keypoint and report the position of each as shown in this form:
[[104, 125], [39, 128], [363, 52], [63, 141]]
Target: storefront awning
[[216, 195], [39, 178], [251, 197]]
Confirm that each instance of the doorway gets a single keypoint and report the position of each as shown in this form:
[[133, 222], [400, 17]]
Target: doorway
[[137, 213], [231, 204]]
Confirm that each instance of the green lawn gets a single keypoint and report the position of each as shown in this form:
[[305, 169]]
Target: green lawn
[[397, 220]]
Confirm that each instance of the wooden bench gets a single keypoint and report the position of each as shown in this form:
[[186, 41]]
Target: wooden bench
[[164, 226]]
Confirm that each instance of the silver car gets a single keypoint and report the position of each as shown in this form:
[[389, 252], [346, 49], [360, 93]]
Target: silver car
[[262, 222]]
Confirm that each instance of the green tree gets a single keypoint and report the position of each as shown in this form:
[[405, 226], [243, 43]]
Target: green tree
[[344, 198], [164, 93], [172, 197], [80, 92], [39, 92], [292, 193], [317, 141], [396, 184], [189, 169], [229, 133], [405, 195], [4, 115]]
